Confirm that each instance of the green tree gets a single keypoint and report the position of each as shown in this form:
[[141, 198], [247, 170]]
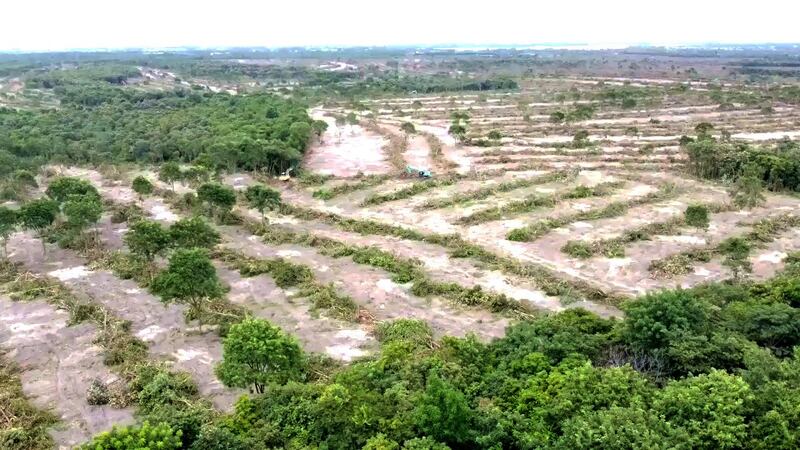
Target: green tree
[[147, 239], [697, 216], [737, 256], [37, 215], [189, 278], [220, 199], [442, 412], [144, 437], [142, 186], [257, 353], [62, 188], [703, 129], [616, 428], [193, 232], [218, 438], [408, 128], [748, 190], [458, 131], [262, 198], [656, 320], [707, 410], [9, 220], [170, 172], [381, 442], [82, 211]]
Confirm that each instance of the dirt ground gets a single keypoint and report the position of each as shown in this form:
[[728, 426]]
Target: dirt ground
[[58, 363], [346, 151]]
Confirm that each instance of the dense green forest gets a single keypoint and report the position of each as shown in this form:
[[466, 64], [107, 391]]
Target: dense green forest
[[100, 121], [708, 368]]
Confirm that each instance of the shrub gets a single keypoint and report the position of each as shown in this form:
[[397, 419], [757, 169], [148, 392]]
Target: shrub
[[145, 437]]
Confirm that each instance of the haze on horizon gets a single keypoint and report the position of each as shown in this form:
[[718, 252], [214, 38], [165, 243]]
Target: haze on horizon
[[92, 24]]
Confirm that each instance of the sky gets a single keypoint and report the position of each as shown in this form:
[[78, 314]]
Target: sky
[[89, 24]]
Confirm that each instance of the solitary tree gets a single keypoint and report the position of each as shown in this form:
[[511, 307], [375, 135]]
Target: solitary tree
[[9, 219], [189, 278], [458, 131], [747, 191], [170, 172], [220, 199], [147, 239], [82, 211], [408, 128], [257, 353], [62, 188], [37, 215], [193, 232], [737, 253], [142, 186], [262, 198], [697, 216]]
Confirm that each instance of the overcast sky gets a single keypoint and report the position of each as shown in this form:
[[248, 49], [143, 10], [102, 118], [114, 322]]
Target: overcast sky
[[65, 24]]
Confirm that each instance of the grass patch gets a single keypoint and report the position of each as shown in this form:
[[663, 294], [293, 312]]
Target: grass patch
[[536, 230], [402, 270], [536, 201], [22, 426], [762, 232], [416, 332], [287, 274], [409, 191], [457, 246], [346, 188], [488, 191]]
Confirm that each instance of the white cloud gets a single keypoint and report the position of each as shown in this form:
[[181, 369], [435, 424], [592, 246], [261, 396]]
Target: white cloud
[[56, 24]]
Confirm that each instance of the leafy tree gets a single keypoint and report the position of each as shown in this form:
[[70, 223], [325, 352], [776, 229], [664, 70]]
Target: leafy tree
[[616, 428], [9, 220], [37, 215], [408, 128], [657, 320], [82, 211], [443, 413], [381, 442], [170, 172], [193, 232], [747, 191], [458, 131], [707, 410], [697, 216], [218, 438], [262, 198], [62, 188], [25, 178], [144, 437], [494, 135], [190, 277], [219, 198], [737, 254], [147, 239], [257, 353], [703, 128], [142, 186]]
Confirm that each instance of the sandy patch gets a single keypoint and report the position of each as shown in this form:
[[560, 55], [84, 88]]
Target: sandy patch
[[344, 352], [162, 214], [683, 239], [772, 257], [190, 354], [355, 334], [149, 334], [70, 273]]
